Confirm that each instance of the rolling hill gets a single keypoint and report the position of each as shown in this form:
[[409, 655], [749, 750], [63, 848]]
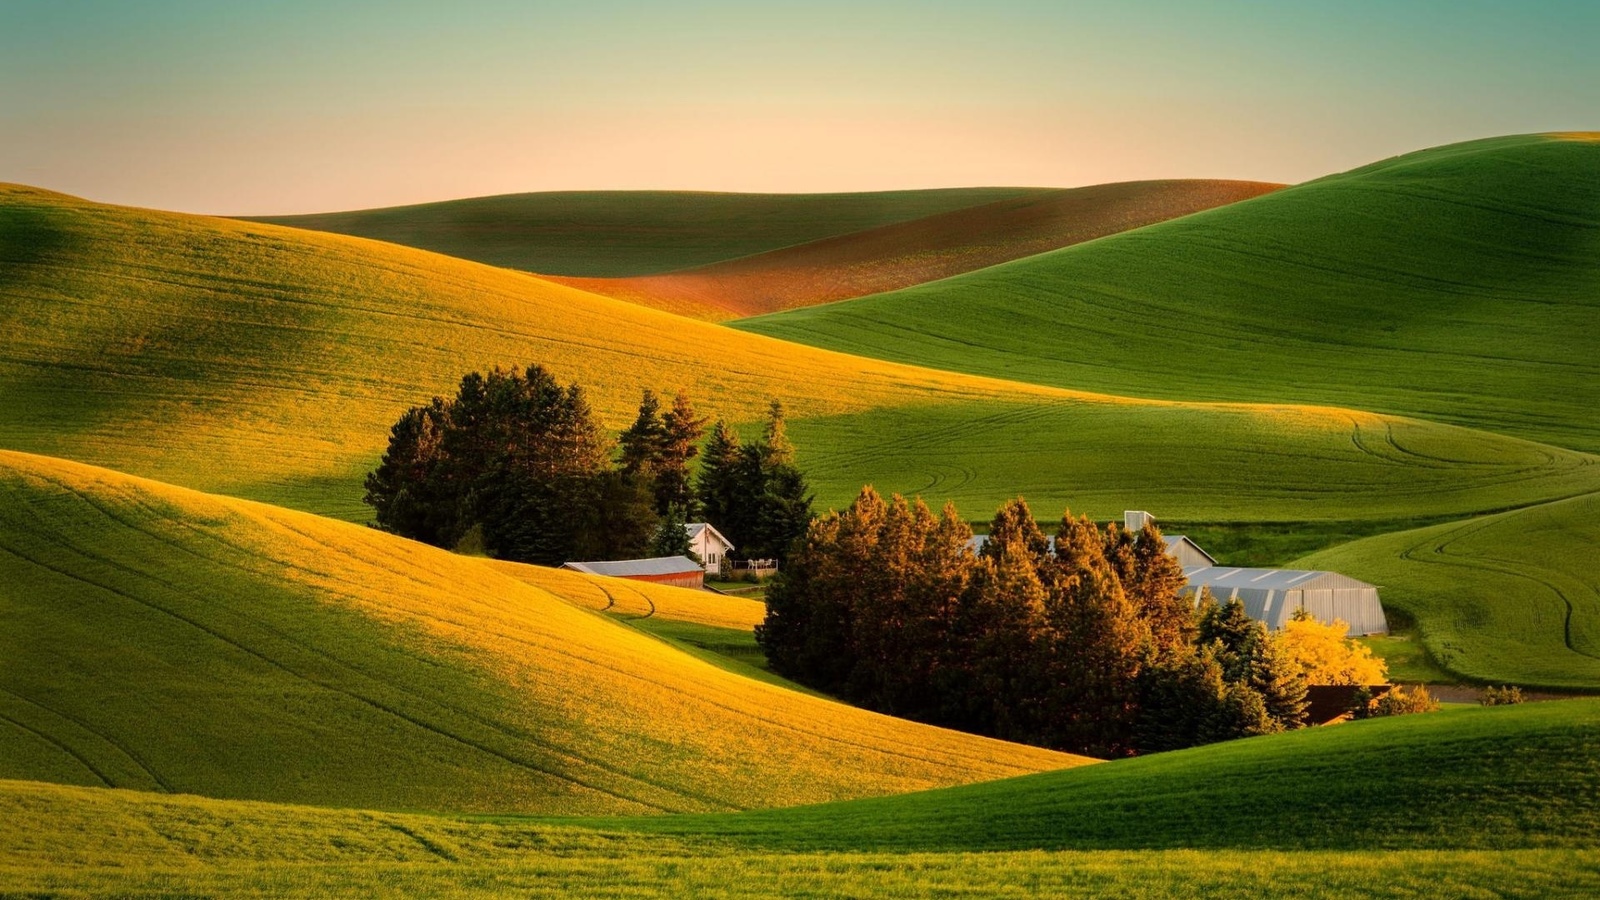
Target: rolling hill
[[626, 233], [927, 249], [1458, 284], [1451, 804], [1512, 598], [269, 363], [166, 640]]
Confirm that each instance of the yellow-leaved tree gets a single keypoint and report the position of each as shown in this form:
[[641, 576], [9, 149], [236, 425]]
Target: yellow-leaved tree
[[1327, 655]]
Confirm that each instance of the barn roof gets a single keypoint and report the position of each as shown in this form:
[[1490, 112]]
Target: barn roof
[[623, 568], [1174, 540], [694, 529], [1229, 577]]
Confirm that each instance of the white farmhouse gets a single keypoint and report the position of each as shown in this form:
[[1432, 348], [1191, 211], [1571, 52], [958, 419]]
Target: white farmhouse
[[708, 544]]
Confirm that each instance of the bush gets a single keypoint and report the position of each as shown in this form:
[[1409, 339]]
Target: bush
[[1509, 695], [1399, 702]]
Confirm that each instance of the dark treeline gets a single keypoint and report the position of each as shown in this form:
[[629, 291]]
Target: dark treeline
[[1087, 646], [517, 459]]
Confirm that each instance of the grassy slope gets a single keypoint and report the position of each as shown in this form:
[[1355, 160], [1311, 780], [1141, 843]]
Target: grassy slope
[[918, 251], [162, 639], [269, 363], [621, 233], [1457, 284], [1497, 778], [633, 599], [1510, 598], [1502, 801]]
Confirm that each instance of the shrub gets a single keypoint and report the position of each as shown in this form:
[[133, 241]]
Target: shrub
[[1400, 702], [1509, 695]]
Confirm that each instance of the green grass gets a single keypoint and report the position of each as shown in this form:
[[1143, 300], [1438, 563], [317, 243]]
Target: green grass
[[269, 363], [1407, 659], [160, 639], [1472, 778], [620, 233], [1188, 463], [1458, 284], [1509, 598], [732, 649], [1470, 802]]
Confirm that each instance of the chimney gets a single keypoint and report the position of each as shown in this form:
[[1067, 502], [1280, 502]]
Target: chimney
[[1135, 519]]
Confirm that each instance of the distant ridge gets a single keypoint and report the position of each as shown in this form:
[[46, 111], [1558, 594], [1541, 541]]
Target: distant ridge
[[628, 233], [927, 249]]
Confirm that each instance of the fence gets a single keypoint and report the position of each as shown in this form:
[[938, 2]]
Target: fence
[[755, 568]]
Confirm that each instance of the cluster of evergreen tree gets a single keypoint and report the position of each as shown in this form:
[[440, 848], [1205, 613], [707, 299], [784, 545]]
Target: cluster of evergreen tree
[[517, 459], [754, 493], [1083, 645]]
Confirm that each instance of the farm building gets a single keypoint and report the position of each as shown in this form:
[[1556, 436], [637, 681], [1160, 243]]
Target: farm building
[[708, 544], [1187, 552], [678, 571], [1272, 595]]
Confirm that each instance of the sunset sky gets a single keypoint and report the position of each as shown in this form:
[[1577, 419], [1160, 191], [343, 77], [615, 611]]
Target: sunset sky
[[307, 106]]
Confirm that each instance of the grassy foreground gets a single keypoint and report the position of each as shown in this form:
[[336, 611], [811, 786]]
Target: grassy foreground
[[1456, 284], [1509, 598], [269, 363], [621, 233], [1499, 802], [165, 640]]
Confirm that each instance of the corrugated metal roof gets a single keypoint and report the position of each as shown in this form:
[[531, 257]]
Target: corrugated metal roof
[[622, 568], [1268, 579]]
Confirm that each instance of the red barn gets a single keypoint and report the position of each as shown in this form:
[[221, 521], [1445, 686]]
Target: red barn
[[678, 571]]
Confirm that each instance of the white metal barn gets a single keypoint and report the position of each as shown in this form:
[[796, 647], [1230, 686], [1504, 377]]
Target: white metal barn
[[1272, 595]]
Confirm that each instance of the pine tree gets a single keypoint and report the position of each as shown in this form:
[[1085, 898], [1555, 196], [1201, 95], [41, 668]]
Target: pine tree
[[1235, 635], [1277, 677], [719, 485], [680, 443], [776, 449], [1097, 640], [672, 537], [1154, 583], [1013, 526], [641, 445]]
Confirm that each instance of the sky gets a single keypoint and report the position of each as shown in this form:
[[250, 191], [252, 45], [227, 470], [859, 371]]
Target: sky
[[289, 106]]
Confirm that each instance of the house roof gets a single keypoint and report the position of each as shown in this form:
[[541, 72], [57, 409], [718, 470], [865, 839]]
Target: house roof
[[623, 568], [694, 529], [1228, 577]]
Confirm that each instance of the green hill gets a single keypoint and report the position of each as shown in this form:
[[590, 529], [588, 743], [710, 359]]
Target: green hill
[[624, 233], [1461, 803], [1459, 284], [165, 640], [269, 363], [1511, 598], [920, 250]]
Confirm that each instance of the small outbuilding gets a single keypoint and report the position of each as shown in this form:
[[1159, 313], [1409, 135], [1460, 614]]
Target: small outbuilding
[[678, 571], [1187, 552], [708, 544], [1272, 595]]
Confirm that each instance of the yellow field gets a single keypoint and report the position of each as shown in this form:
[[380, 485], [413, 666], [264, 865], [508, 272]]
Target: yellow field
[[634, 598], [166, 639]]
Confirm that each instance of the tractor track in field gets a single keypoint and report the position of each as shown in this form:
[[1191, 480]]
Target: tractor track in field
[[1437, 552]]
